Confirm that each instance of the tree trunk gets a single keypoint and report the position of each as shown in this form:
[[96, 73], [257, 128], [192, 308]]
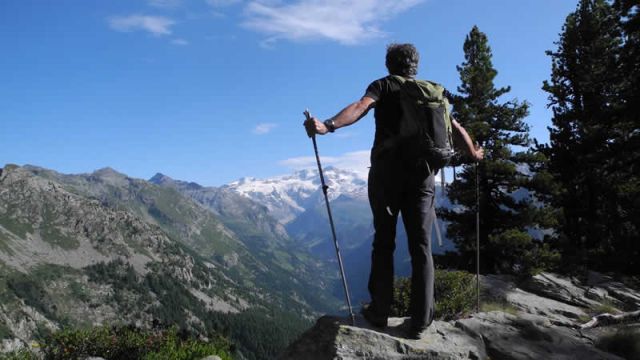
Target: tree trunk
[[608, 319]]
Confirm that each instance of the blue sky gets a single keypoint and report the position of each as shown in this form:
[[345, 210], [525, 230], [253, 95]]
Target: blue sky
[[213, 90]]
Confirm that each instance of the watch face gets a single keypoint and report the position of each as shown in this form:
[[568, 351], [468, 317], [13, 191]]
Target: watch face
[[331, 126]]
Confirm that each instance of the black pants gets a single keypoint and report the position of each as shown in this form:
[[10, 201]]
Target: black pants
[[393, 190]]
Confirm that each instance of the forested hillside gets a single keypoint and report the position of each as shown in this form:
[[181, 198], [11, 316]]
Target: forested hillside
[[103, 248]]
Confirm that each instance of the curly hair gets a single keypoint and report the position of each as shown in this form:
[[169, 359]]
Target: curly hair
[[402, 59]]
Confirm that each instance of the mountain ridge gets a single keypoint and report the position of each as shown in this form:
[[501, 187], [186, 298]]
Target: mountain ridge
[[104, 247], [287, 196]]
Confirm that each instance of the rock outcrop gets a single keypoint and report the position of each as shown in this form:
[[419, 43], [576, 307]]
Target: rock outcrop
[[544, 323]]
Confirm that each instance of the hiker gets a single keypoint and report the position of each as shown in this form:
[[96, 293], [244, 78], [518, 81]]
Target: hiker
[[397, 185]]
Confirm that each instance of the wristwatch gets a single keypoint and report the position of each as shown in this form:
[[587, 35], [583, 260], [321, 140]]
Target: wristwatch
[[331, 126]]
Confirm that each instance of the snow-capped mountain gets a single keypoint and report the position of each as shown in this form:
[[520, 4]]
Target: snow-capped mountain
[[288, 196]]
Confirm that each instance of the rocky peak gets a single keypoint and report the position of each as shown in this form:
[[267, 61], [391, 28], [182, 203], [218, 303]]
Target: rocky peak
[[164, 180], [109, 176], [160, 179], [108, 172]]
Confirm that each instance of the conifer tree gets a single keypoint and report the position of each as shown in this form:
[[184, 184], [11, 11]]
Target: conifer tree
[[509, 212], [629, 13], [627, 182], [593, 152]]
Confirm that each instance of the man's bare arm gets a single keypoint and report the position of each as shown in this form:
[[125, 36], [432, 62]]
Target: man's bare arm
[[464, 141], [347, 116]]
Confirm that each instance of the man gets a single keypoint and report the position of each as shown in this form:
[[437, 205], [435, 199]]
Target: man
[[396, 186]]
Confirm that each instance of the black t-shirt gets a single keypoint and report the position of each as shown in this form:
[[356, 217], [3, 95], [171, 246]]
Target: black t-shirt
[[387, 112]]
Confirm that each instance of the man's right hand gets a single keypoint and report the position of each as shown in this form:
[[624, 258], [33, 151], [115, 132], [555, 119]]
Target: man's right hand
[[475, 151], [315, 126], [478, 152]]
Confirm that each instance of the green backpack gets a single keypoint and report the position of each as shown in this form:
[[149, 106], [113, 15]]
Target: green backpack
[[425, 126]]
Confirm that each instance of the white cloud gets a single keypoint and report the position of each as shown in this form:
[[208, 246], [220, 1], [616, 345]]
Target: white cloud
[[167, 4], [179, 42], [357, 161], [222, 3], [264, 128], [156, 25], [347, 22]]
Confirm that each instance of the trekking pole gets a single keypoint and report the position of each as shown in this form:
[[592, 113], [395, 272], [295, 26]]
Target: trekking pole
[[477, 238], [333, 229]]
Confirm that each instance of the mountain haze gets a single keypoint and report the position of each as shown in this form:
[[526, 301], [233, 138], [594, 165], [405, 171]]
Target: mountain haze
[[298, 201]]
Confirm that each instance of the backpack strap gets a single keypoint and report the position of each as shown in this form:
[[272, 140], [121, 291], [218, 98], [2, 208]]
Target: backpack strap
[[401, 79], [391, 142]]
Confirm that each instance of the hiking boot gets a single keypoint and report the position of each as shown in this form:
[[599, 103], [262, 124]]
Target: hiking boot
[[415, 333], [372, 317]]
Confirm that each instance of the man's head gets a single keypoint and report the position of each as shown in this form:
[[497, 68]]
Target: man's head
[[402, 59]]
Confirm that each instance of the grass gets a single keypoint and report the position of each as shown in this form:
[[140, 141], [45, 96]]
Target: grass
[[14, 225], [49, 272], [4, 243], [52, 234], [498, 306], [212, 241], [606, 306]]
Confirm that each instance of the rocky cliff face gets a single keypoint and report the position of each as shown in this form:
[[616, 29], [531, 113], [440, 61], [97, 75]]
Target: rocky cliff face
[[545, 322]]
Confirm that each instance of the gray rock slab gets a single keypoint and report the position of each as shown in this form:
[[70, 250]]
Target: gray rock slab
[[628, 298], [10, 345], [334, 338], [530, 337], [559, 313], [566, 290]]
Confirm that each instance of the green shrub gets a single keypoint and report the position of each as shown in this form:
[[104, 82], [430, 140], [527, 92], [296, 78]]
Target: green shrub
[[22, 354], [124, 343], [32, 293], [5, 332], [401, 297], [455, 294], [605, 307]]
